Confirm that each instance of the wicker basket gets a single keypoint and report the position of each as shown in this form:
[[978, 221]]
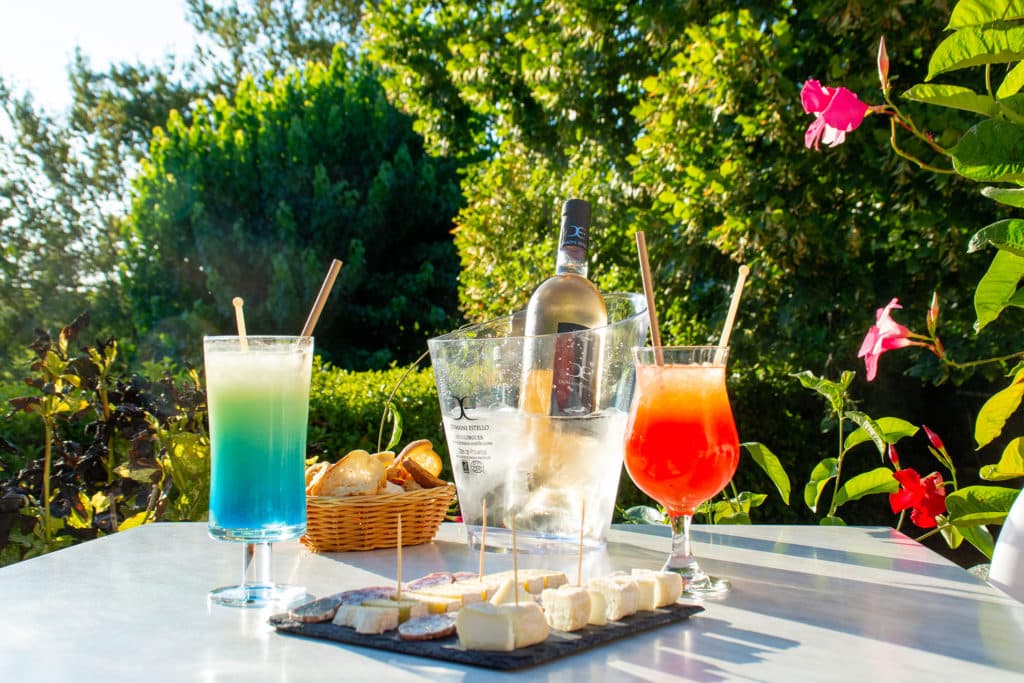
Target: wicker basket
[[368, 522]]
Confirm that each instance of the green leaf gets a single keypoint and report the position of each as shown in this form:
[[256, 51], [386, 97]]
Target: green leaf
[[978, 519], [998, 287], [991, 151], [951, 534], [979, 12], [135, 520], [954, 97], [878, 480], [893, 429], [980, 537], [392, 412], [771, 465], [1010, 465], [643, 514], [997, 410], [733, 517], [1012, 82], [832, 391], [972, 500], [821, 475], [869, 427], [1003, 195], [1007, 234], [832, 520], [975, 46]]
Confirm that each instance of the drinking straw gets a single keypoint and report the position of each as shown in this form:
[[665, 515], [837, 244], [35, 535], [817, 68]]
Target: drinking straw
[[240, 322], [579, 554], [321, 298], [734, 305], [652, 312]]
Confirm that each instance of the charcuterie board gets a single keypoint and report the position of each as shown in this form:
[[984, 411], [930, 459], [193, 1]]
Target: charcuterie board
[[558, 644]]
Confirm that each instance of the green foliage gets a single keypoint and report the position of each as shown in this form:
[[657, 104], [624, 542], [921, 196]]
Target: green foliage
[[144, 452], [253, 198], [345, 409]]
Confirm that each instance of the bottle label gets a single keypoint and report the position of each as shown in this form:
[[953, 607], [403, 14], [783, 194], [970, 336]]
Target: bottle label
[[575, 236], [574, 379]]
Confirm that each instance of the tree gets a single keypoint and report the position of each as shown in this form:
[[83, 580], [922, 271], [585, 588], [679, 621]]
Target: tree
[[683, 119], [254, 198]]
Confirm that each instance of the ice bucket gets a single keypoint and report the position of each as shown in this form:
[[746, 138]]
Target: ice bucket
[[555, 475]]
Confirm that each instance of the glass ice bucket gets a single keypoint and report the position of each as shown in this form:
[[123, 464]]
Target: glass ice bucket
[[555, 475]]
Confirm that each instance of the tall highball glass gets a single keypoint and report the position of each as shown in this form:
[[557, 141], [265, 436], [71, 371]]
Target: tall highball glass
[[257, 392], [681, 442]]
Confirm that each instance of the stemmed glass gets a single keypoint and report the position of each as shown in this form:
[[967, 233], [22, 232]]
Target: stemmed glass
[[681, 442], [258, 400]]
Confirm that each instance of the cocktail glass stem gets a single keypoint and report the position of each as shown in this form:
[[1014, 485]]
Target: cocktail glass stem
[[258, 588], [682, 561], [256, 565]]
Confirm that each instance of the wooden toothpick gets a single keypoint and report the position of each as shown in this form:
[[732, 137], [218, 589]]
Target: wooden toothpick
[[483, 539], [515, 561], [398, 596]]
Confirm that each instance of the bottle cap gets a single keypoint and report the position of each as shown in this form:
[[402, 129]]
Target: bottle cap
[[575, 224]]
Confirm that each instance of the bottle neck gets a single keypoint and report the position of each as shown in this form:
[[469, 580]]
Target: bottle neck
[[571, 259]]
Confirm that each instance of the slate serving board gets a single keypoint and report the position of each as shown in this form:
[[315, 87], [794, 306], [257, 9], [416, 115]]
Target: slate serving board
[[559, 644]]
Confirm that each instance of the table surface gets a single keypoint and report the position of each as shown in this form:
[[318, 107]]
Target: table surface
[[808, 603]]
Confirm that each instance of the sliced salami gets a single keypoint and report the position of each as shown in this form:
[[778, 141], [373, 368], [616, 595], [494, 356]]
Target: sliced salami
[[465, 576], [430, 627], [434, 579], [360, 595], [315, 611]]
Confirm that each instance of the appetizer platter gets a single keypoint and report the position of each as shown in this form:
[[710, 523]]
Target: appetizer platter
[[498, 621]]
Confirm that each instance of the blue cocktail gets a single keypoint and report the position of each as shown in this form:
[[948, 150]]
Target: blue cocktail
[[258, 401]]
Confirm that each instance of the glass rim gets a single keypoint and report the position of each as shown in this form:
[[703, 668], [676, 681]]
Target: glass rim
[[672, 347], [262, 337]]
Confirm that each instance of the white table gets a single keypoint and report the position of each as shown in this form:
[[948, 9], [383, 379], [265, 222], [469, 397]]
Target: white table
[[808, 604]]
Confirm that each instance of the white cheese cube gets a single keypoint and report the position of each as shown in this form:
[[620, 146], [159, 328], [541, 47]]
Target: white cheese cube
[[668, 585], [621, 596], [483, 626], [566, 608], [367, 619], [407, 609]]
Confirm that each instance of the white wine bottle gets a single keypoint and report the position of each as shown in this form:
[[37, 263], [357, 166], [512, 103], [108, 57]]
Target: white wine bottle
[[561, 363]]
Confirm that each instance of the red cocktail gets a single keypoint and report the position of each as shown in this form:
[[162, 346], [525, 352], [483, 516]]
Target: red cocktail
[[681, 441]]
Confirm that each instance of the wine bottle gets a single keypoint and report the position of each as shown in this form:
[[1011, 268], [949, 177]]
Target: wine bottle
[[561, 365]]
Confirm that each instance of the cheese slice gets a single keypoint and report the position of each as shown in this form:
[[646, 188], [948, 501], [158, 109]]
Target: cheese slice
[[566, 608], [668, 586], [483, 626], [533, 580], [506, 593], [466, 592], [407, 609], [436, 604]]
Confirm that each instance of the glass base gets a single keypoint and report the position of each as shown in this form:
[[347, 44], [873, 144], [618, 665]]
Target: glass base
[[256, 596]]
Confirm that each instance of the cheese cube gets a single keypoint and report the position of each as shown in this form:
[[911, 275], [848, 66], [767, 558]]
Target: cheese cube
[[533, 580], [465, 592], [566, 608], [598, 607], [646, 586], [367, 619], [483, 626], [621, 596], [668, 586]]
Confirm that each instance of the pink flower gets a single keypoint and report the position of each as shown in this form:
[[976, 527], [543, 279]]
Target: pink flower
[[837, 111], [886, 334], [926, 496], [934, 439]]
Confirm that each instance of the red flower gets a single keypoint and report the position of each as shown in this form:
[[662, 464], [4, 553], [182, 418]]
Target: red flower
[[884, 335], [837, 111], [926, 497], [894, 457]]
